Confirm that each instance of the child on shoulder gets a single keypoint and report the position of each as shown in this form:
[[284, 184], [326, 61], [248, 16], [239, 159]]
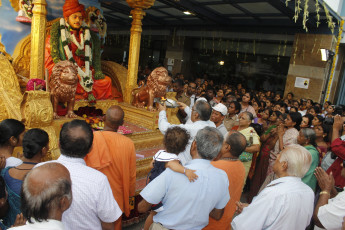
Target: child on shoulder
[[175, 141]]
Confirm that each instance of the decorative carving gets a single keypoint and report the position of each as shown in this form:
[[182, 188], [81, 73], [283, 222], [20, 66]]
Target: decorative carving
[[10, 95], [63, 85], [143, 4], [54, 151], [38, 35], [37, 109], [117, 74], [156, 86]]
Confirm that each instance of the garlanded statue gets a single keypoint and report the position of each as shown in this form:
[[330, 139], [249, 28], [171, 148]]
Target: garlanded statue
[[71, 39], [63, 85], [156, 87]]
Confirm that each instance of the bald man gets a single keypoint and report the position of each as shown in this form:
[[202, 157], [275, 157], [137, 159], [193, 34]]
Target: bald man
[[46, 194], [114, 155]]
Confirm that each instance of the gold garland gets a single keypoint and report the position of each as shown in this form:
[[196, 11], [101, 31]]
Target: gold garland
[[334, 60], [305, 15]]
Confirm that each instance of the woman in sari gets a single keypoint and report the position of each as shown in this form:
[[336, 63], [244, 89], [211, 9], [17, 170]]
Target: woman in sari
[[287, 133], [253, 141], [268, 140], [35, 147]]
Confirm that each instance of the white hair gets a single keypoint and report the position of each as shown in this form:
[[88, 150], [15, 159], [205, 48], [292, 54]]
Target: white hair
[[298, 159]]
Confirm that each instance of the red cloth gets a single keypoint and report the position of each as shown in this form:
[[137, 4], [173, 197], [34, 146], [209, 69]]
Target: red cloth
[[72, 6], [338, 148]]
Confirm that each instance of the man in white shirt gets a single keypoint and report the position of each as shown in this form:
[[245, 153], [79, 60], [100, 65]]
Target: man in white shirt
[[46, 195], [218, 114], [93, 206], [286, 203], [200, 116], [188, 205], [330, 208]]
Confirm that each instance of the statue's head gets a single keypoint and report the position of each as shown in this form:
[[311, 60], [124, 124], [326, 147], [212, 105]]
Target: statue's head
[[65, 72], [74, 13]]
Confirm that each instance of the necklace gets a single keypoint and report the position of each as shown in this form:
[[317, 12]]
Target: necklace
[[229, 159]]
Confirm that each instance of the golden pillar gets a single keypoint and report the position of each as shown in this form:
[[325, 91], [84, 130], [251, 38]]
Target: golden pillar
[[38, 37], [134, 46]]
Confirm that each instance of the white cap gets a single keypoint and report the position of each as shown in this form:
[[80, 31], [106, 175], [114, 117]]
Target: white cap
[[201, 99], [221, 108]]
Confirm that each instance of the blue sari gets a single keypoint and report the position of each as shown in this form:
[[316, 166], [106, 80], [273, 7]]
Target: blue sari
[[14, 203]]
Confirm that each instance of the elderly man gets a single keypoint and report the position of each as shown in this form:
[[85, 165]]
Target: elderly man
[[114, 155], [233, 145], [188, 205], [200, 116], [218, 114], [93, 203], [46, 195], [286, 203], [330, 208]]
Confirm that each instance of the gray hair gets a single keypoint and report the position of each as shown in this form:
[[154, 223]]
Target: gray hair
[[310, 135], [298, 159], [209, 142], [249, 115], [237, 142], [42, 205], [203, 108]]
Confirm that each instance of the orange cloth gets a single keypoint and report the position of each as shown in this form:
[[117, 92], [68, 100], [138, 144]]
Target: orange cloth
[[114, 155], [236, 172], [72, 6]]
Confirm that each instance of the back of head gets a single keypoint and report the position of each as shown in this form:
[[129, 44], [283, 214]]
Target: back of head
[[310, 135], [10, 128], [298, 159], [237, 142], [296, 117], [176, 139], [42, 190], [33, 142], [115, 116], [204, 110], [209, 142], [76, 139]]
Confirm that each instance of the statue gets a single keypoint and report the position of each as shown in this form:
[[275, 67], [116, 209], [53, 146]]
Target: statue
[[71, 39], [156, 86], [63, 85]]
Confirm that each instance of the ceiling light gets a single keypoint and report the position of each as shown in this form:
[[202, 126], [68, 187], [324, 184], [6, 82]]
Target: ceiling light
[[187, 12], [221, 62]]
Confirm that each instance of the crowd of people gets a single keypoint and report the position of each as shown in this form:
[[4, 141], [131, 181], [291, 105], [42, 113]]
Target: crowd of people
[[283, 156]]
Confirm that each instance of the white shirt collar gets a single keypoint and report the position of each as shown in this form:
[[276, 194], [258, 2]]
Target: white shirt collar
[[71, 159]]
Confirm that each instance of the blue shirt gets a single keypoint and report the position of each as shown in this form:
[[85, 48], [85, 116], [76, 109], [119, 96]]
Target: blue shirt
[[187, 205]]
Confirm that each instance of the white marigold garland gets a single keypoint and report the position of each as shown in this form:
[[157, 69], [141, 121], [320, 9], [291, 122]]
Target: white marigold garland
[[85, 77]]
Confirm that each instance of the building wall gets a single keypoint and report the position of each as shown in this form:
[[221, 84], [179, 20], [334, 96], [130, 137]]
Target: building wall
[[308, 64]]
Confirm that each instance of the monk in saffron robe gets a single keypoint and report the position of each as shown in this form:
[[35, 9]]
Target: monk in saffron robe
[[71, 39], [114, 155]]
